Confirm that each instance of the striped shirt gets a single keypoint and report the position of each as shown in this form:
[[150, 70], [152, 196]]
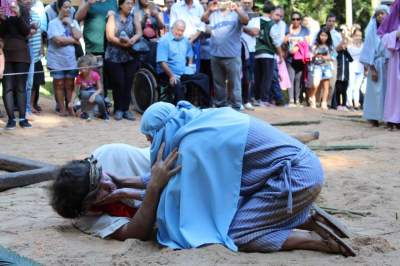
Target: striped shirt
[[281, 179], [35, 41]]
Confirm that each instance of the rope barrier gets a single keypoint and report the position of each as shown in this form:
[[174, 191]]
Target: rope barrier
[[53, 70]]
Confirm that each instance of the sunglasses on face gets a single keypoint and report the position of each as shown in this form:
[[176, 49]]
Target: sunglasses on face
[[296, 19]]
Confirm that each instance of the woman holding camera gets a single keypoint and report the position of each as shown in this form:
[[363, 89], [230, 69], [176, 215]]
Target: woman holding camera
[[14, 30]]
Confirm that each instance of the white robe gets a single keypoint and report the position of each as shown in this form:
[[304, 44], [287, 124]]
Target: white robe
[[119, 160], [374, 53]]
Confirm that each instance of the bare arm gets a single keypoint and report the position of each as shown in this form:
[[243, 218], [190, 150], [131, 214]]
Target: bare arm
[[194, 37], [83, 9], [280, 53], [243, 18], [76, 32], [99, 87], [211, 8], [251, 31], [142, 223], [76, 88], [63, 41], [167, 70], [2, 62], [128, 182], [139, 31], [160, 20], [110, 33]]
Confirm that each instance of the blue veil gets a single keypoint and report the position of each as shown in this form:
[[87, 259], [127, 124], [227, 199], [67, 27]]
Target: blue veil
[[198, 204]]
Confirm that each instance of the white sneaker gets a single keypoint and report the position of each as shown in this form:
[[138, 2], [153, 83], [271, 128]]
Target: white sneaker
[[249, 106], [312, 102], [324, 106]]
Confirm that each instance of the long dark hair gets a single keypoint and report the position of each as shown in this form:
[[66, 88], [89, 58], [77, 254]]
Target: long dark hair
[[329, 42], [70, 189]]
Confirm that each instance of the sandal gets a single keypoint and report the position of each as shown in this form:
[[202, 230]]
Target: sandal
[[322, 216], [334, 242]]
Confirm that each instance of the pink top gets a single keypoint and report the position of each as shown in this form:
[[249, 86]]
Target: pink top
[[87, 83]]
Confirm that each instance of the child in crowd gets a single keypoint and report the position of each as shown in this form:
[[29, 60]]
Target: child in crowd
[[321, 67], [357, 72], [88, 82], [342, 81]]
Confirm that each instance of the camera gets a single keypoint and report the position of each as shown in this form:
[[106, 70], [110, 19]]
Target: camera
[[224, 4]]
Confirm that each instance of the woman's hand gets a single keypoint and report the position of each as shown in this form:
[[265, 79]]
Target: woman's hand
[[212, 6], [374, 74], [15, 8], [154, 12], [66, 21], [163, 170], [2, 14], [92, 98]]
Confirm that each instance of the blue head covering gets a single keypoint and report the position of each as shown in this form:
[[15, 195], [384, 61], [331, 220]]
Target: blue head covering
[[198, 204]]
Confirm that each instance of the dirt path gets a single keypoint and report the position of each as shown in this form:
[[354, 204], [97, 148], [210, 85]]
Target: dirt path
[[362, 180]]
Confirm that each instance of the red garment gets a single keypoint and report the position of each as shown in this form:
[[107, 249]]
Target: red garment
[[116, 209], [90, 82], [303, 53]]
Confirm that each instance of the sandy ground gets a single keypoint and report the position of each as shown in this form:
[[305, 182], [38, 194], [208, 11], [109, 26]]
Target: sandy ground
[[361, 180]]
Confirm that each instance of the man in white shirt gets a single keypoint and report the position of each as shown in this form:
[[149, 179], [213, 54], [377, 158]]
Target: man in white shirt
[[190, 11], [249, 37]]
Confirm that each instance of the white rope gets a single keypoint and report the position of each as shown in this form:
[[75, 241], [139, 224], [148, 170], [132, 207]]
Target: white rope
[[53, 70]]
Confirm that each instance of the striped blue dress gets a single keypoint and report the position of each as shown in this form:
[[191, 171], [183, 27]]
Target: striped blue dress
[[281, 179]]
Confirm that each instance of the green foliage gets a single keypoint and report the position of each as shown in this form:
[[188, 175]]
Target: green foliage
[[319, 9]]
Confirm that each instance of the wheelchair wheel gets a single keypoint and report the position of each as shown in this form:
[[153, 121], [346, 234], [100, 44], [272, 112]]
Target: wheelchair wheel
[[144, 90]]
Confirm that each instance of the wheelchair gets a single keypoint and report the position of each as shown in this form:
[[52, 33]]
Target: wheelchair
[[148, 89]]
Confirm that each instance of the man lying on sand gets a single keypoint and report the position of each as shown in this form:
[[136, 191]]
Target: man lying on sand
[[243, 184]]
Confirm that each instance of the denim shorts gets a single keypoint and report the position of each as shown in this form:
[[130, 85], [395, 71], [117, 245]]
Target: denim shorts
[[62, 74], [322, 72]]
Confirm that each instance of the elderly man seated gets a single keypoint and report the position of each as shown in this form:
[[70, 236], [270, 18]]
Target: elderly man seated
[[174, 59]]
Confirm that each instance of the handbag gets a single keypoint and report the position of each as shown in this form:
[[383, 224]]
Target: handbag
[[141, 46], [78, 51]]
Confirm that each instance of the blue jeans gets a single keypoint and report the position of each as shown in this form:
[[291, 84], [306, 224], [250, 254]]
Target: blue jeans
[[196, 52], [99, 100], [29, 81], [276, 91]]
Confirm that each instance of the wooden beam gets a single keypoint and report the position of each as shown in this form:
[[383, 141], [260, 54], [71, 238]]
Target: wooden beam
[[306, 137], [23, 172]]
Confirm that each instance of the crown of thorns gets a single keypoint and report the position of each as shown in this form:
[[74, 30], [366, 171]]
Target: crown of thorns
[[95, 173]]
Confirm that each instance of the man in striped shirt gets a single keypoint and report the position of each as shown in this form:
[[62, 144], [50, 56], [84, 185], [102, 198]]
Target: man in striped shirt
[[35, 46]]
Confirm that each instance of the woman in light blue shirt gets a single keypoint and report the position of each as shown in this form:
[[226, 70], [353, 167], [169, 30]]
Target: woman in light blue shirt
[[63, 34]]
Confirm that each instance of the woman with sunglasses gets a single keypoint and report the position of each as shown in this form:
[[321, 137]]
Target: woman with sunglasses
[[295, 36]]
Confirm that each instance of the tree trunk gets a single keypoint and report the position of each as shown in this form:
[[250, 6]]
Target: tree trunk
[[349, 13]]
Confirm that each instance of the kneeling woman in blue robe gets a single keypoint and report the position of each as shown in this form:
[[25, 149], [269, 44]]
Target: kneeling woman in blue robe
[[243, 184], [235, 181]]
